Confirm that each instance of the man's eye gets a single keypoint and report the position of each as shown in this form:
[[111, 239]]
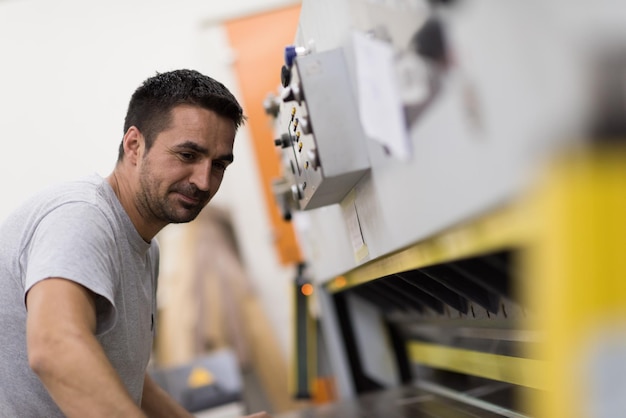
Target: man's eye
[[187, 156], [220, 165]]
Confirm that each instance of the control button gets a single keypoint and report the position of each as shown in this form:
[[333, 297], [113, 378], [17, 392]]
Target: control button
[[295, 125], [290, 55], [305, 125], [284, 141], [291, 52], [297, 192], [313, 158], [292, 93], [306, 165], [298, 136], [299, 146], [287, 95], [271, 104], [298, 93]]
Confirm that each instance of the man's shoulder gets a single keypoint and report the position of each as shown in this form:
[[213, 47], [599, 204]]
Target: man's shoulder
[[75, 202], [87, 191]]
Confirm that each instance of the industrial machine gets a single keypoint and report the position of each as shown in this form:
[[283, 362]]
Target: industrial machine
[[456, 177]]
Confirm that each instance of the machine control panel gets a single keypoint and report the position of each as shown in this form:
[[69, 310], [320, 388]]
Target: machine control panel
[[321, 137]]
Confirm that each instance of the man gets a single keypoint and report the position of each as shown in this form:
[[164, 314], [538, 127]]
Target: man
[[79, 263]]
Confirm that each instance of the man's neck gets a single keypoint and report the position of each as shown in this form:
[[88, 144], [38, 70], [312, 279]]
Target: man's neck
[[126, 195]]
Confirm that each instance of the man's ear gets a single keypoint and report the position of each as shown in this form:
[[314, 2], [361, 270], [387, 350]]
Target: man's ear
[[134, 144]]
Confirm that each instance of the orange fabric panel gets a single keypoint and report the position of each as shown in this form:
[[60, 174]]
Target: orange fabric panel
[[259, 43]]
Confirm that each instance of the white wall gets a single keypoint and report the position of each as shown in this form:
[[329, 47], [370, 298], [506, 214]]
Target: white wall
[[68, 68]]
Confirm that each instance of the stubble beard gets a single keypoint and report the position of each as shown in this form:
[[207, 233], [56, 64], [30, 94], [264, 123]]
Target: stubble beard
[[167, 208]]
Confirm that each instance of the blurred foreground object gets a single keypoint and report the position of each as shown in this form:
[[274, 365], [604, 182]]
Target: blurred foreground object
[[209, 386], [474, 267]]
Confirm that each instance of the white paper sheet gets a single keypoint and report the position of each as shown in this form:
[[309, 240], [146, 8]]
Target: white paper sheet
[[380, 105]]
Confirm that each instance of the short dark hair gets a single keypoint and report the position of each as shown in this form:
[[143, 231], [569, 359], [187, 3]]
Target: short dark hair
[[150, 106]]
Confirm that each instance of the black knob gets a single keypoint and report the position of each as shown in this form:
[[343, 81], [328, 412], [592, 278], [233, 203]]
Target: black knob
[[285, 76], [284, 141]]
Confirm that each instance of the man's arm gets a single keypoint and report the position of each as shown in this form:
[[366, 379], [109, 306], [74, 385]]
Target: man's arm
[[64, 353], [157, 403]]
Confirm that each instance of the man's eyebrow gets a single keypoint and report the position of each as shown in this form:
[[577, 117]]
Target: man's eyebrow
[[190, 145], [226, 157]]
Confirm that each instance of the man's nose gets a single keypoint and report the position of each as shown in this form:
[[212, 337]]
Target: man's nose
[[201, 176]]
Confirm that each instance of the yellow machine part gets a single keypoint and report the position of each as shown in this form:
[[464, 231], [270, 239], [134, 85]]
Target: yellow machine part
[[516, 370], [575, 286]]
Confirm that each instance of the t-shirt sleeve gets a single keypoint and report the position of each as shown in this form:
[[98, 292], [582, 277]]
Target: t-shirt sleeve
[[75, 242]]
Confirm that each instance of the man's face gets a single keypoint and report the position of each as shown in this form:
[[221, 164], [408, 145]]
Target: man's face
[[184, 168]]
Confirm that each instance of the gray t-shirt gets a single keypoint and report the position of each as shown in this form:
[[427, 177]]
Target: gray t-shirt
[[78, 231]]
